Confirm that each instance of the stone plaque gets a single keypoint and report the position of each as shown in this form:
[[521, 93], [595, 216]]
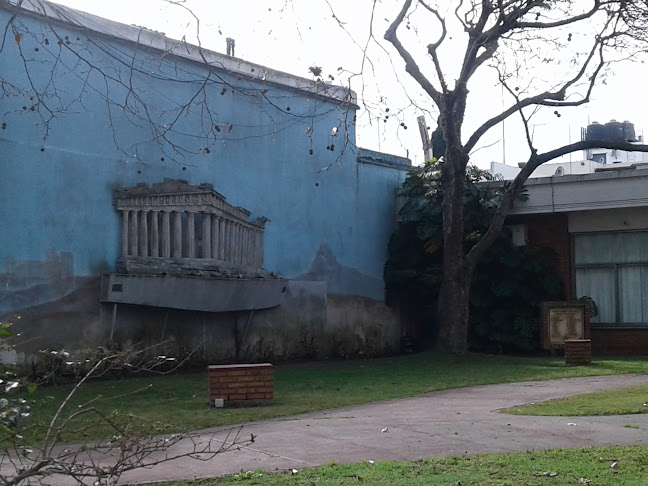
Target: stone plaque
[[566, 323], [563, 320]]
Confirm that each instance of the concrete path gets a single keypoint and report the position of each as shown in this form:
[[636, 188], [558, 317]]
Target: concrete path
[[453, 422]]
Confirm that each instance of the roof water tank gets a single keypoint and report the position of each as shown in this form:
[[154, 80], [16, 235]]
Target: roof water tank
[[595, 131], [628, 131], [614, 131]]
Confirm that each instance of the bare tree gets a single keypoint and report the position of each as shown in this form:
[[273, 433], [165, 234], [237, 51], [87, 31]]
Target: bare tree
[[508, 37], [124, 447]]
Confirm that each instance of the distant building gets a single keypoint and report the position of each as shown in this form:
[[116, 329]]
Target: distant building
[[592, 159], [613, 131], [597, 224], [594, 214]]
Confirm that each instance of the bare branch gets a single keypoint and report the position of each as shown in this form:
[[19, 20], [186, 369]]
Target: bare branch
[[410, 64], [477, 40], [554, 98], [124, 448], [560, 23], [514, 189], [432, 48]]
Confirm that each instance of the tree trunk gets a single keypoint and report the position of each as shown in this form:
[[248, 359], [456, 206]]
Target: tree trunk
[[454, 295], [453, 312]]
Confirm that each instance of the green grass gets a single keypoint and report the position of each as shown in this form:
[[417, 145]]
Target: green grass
[[560, 467], [181, 400], [610, 402]]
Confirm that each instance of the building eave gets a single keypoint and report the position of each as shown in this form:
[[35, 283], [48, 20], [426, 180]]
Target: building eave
[[367, 156], [584, 192]]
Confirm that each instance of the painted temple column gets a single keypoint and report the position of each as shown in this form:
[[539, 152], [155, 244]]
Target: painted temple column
[[260, 249], [221, 239], [155, 235], [236, 247], [244, 248], [250, 240], [124, 235], [143, 233], [177, 234], [166, 235], [191, 235], [243, 244], [206, 236], [134, 233], [252, 254], [236, 243], [226, 234], [253, 247], [214, 236], [230, 242], [250, 246]]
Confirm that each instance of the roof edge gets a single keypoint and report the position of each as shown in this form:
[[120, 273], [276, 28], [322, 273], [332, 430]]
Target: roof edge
[[159, 41], [368, 156]]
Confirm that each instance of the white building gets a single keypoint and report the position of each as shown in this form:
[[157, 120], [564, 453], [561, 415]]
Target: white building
[[593, 160]]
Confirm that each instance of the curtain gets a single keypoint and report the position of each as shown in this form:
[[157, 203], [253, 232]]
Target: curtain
[[611, 262], [599, 284]]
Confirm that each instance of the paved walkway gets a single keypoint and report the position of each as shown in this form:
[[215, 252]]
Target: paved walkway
[[452, 422]]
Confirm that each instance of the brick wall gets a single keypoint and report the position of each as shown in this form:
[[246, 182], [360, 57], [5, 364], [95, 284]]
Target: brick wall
[[241, 384], [578, 352], [619, 341]]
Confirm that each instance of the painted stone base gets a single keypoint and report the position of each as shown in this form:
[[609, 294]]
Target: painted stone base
[[307, 324]]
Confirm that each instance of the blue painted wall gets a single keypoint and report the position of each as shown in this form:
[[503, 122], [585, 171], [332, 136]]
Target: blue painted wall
[[84, 114]]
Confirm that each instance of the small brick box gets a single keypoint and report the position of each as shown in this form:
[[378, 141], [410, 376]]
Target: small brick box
[[578, 352], [240, 385]]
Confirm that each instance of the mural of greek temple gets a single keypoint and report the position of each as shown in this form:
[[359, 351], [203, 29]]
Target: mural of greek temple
[[194, 226], [186, 247]]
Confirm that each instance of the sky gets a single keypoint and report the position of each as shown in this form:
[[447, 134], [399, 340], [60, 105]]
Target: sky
[[293, 35]]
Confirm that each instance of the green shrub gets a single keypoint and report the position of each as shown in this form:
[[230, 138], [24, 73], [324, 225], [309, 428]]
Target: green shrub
[[509, 283]]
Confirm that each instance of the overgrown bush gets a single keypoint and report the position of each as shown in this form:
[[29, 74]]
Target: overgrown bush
[[509, 286], [509, 283], [30, 451]]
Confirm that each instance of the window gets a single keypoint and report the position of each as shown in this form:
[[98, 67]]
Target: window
[[612, 269]]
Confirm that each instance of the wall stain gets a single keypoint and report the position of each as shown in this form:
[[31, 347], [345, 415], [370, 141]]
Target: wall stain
[[341, 280]]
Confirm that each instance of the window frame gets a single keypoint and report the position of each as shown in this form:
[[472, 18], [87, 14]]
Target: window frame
[[618, 324]]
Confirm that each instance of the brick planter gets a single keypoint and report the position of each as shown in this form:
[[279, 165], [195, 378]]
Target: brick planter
[[240, 385], [578, 352]]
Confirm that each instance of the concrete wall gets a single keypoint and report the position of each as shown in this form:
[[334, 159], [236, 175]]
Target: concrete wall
[[509, 172], [601, 190], [86, 113], [629, 219]]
